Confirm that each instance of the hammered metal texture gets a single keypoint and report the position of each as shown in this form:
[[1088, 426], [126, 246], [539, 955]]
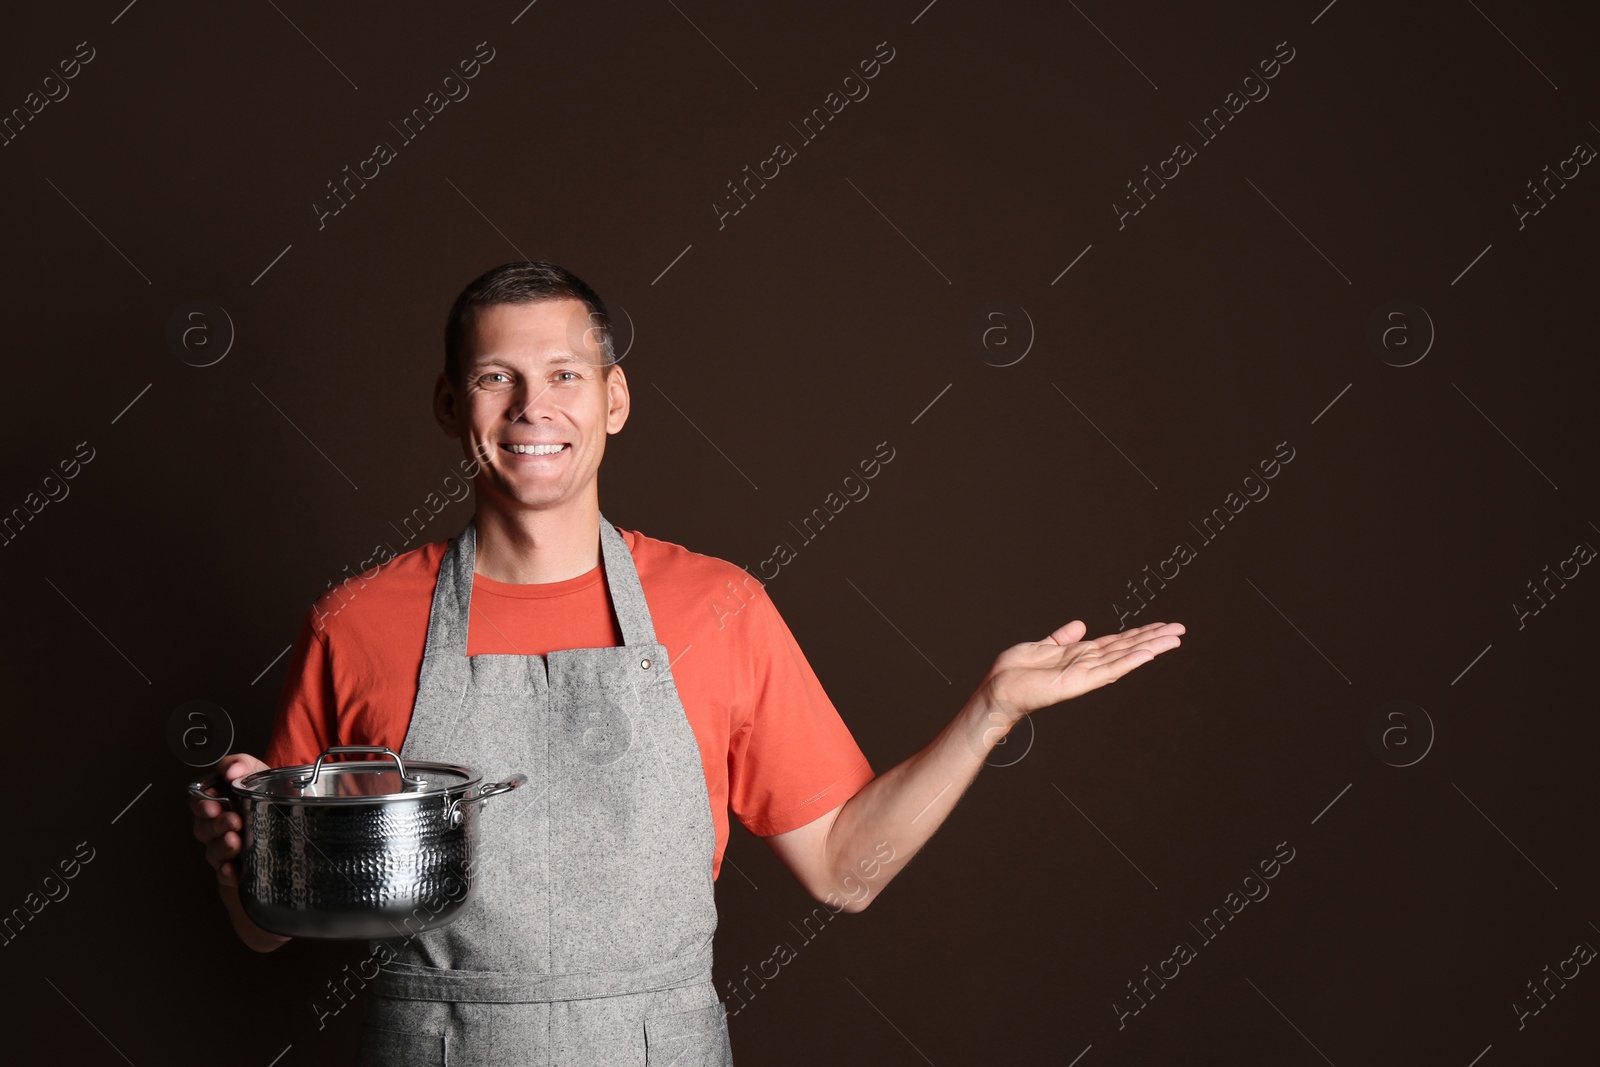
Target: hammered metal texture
[[329, 863]]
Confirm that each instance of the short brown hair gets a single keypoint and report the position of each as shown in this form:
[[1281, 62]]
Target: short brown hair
[[524, 282]]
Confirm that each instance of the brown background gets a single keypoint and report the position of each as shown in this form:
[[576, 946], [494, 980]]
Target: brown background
[[798, 337]]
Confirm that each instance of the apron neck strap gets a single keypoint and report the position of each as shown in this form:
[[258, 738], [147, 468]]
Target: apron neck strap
[[452, 595], [622, 582]]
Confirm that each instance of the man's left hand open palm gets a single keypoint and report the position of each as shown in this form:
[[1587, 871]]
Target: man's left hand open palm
[[1037, 674]]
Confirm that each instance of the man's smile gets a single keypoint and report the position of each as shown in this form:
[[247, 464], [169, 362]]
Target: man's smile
[[534, 450]]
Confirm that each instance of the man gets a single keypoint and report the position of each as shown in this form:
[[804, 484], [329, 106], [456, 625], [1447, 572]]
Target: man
[[589, 938]]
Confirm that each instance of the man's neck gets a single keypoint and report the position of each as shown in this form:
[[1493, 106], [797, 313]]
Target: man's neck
[[538, 547]]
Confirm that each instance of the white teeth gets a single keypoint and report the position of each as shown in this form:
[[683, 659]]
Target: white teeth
[[536, 450]]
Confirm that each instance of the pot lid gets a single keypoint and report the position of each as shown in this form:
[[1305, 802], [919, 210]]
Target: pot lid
[[356, 781]]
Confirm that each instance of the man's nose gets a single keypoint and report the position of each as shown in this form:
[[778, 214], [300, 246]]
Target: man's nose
[[530, 401]]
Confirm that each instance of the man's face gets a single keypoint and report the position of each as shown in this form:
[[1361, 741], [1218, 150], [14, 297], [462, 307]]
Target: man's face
[[532, 379]]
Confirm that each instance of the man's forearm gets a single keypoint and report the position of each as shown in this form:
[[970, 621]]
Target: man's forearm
[[251, 934], [880, 828]]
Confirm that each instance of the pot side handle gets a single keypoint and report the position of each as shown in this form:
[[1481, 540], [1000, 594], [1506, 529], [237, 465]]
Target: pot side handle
[[199, 789], [458, 810], [499, 787]]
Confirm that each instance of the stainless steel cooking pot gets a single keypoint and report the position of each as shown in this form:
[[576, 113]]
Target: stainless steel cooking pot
[[361, 849]]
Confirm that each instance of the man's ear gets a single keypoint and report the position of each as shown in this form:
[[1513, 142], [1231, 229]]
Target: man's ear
[[445, 407], [618, 402]]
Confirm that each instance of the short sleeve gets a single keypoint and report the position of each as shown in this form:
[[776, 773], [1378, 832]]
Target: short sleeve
[[307, 720], [791, 758]]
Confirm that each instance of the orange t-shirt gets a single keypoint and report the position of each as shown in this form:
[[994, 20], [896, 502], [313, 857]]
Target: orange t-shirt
[[774, 747]]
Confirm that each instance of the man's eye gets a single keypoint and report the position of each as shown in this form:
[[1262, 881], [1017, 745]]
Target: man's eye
[[492, 375], [569, 375]]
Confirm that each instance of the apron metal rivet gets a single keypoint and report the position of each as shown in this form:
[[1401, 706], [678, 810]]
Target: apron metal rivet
[[645, 664]]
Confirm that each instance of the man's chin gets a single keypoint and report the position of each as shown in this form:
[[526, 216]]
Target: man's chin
[[523, 497]]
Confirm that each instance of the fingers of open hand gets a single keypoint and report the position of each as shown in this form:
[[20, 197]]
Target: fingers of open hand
[[1121, 661], [1107, 665], [1129, 638]]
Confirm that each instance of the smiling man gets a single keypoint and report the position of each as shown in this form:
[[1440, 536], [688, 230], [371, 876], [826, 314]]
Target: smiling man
[[545, 640]]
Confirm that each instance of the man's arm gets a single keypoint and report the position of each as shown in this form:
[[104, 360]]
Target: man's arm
[[847, 856]]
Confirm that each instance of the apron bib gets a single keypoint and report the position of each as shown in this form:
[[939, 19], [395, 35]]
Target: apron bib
[[589, 938]]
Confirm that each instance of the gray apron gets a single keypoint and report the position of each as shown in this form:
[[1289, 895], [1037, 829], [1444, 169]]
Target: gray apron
[[588, 941]]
